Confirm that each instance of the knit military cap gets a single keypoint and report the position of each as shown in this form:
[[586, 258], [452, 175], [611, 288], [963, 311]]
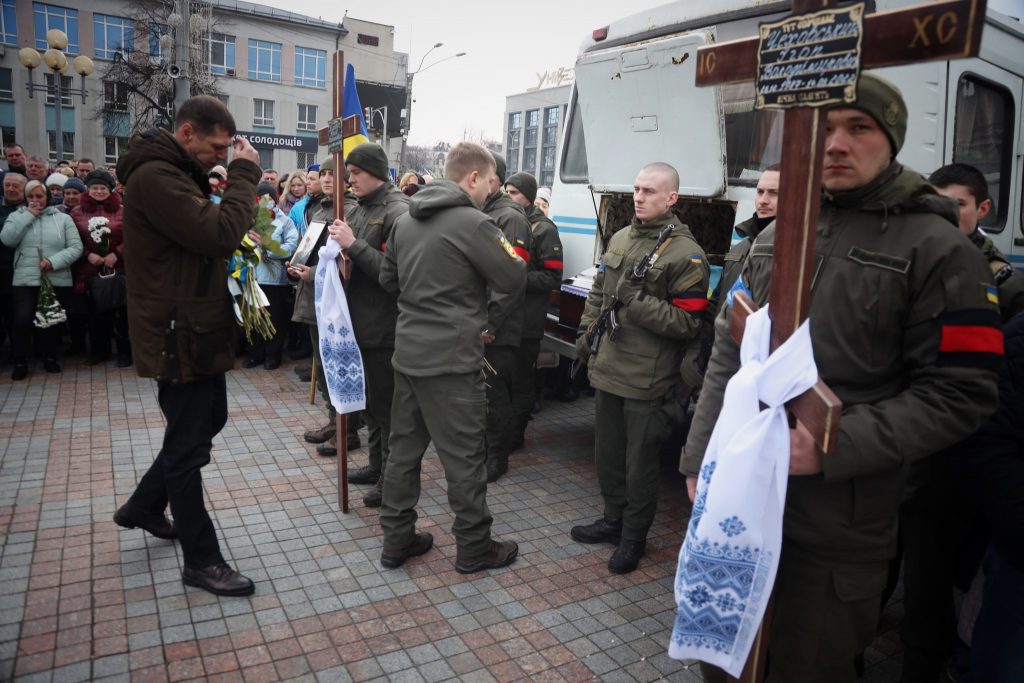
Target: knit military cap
[[371, 158], [525, 183], [501, 168], [99, 177], [327, 164], [879, 97]]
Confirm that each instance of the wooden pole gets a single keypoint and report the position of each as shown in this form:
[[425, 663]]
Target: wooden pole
[[341, 423], [312, 385]]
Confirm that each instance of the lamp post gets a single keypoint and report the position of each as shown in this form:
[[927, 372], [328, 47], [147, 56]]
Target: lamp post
[[408, 89], [383, 111], [57, 62]]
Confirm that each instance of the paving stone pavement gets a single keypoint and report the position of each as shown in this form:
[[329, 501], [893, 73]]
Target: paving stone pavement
[[82, 600]]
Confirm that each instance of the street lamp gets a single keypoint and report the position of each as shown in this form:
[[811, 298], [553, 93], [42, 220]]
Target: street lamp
[[383, 111], [57, 62], [408, 89]]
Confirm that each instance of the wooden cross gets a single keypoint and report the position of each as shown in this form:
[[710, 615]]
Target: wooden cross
[[332, 136], [941, 30]]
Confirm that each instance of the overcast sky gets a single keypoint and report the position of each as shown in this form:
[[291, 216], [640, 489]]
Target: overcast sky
[[506, 45]]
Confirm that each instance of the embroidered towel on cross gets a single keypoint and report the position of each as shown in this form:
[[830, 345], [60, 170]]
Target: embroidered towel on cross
[[343, 365], [730, 554]]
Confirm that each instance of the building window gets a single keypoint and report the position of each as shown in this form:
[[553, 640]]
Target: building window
[[264, 61], [515, 120], [530, 160], [8, 24], [220, 54], [307, 117], [45, 17], [364, 39], [156, 51], [983, 138], [306, 159], [266, 158], [310, 67], [69, 145], [115, 96], [6, 84], [65, 84], [547, 178], [551, 116], [533, 118], [548, 163], [112, 34], [263, 113], [223, 98], [531, 138], [115, 147], [7, 135]]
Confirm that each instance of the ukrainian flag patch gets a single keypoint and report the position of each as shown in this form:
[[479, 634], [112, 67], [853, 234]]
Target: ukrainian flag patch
[[992, 294], [696, 259]]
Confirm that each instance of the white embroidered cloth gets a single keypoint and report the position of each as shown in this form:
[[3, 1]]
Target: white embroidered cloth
[[343, 364], [730, 554]]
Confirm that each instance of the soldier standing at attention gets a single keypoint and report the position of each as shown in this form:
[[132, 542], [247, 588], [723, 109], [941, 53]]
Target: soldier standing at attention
[[543, 274], [442, 258], [365, 235], [635, 373], [504, 329], [907, 336]]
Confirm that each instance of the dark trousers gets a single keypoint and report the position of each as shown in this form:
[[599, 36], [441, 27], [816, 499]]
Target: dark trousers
[[104, 325], [6, 307], [380, 390], [195, 413], [448, 409], [500, 414], [524, 392], [23, 312], [997, 644], [321, 382], [280, 312]]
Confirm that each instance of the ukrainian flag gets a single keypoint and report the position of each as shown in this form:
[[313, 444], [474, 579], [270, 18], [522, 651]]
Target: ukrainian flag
[[353, 108]]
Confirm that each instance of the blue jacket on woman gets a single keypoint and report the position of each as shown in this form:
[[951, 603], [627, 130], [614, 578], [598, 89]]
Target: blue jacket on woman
[[271, 270], [52, 232]]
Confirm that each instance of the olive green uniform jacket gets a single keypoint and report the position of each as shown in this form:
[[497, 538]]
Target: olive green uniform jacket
[[543, 274], [374, 311], [443, 256], [661, 323], [176, 242], [737, 255], [507, 323], [1010, 282], [903, 332]]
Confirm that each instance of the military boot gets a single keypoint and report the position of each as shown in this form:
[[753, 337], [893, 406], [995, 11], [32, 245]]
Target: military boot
[[627, 556], [320, 435], [328, 449], [497, 466], [604, 530], [364, 475], [375, 496]]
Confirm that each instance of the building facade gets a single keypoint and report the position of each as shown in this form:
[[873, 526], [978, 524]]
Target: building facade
[[533, 131], [272, 68]]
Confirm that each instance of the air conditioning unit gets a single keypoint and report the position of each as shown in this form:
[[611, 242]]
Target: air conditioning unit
[[229, 72]]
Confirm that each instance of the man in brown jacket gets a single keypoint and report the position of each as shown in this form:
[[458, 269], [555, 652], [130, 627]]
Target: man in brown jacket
[[180, 316]]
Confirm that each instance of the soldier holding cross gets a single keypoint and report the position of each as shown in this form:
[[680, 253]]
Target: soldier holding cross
[[905, 330]]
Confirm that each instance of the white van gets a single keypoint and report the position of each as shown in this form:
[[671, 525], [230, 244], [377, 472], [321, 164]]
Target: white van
[[635, 101]]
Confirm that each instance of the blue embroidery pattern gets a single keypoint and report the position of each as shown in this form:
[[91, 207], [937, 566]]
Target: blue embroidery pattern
[[342, 368], [706, 471], [732, 526]]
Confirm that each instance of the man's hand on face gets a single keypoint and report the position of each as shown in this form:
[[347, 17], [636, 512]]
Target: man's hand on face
[[342, 233], [243, 150]]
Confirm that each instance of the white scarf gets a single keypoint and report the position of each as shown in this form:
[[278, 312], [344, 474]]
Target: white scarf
[[343, 364], [730, 555]]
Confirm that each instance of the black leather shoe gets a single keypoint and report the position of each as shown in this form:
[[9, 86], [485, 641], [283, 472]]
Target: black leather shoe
[[124, 360], [421, 544], [627, 556], [51, 365], [155, 525], [327, 450], [20, 371], [603, 530], [219, 579], [363, 475], [252, 362], [375, 496], [496, 467], [272, 363], [320, 435], [501, 554]]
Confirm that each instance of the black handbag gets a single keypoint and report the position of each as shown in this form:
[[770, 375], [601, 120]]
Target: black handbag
[[108, 291]]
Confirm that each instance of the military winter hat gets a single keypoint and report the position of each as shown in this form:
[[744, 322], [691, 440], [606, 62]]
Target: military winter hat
[[499, 162], [525, 183], [879, 97], [371, 158], [99, 177], [266, 189], [327, 165]]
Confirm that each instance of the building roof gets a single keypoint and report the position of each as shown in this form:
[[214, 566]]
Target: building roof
[[266, 12]]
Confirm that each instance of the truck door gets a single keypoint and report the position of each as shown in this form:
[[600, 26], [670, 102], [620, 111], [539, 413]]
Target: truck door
[[639, 105]]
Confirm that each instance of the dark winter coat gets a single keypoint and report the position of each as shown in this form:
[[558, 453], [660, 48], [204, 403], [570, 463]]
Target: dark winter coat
[[112, 209]]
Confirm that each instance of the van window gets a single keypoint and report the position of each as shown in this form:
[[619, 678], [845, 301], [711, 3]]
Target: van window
[[983, 138], [573, 168], [753, 139]]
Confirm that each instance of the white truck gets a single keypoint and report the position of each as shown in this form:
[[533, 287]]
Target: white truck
[[634, 101]]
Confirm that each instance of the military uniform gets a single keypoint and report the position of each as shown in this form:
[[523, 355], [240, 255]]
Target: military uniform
[[1010, 282], [443, 256], [636, 374], [375, 311], [507, 327], [543, 274], [905, 334], [749, 229]]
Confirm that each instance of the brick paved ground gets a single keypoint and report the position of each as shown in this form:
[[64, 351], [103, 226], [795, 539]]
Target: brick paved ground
[[81, 600]]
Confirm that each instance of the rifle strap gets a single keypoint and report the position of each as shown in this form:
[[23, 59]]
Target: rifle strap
[[660, 250]]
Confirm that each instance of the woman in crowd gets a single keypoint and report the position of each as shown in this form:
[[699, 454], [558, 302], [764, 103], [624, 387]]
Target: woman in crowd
[[273, 280], [296, 185], [104, 255], [543, 200], [55, 184], [72, 195], [44, 241]]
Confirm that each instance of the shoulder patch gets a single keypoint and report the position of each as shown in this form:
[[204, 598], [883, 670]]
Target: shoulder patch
[[506, 246], [991, 293], [762, 250], [696, 259]]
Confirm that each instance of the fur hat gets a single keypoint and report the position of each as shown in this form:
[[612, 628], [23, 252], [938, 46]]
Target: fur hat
[[58, 179], [100, 177]]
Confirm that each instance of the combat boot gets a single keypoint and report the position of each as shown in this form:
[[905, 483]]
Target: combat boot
[[421, 543], [375, 496], [501, 554], [496, 467], [363, 475], [329, 449], [627, 556], [604, 530], [320, 435]]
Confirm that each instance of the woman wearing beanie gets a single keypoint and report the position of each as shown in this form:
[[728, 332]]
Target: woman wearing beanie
[[73, 191], [33, 230], [101, 208], [55, 186]]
